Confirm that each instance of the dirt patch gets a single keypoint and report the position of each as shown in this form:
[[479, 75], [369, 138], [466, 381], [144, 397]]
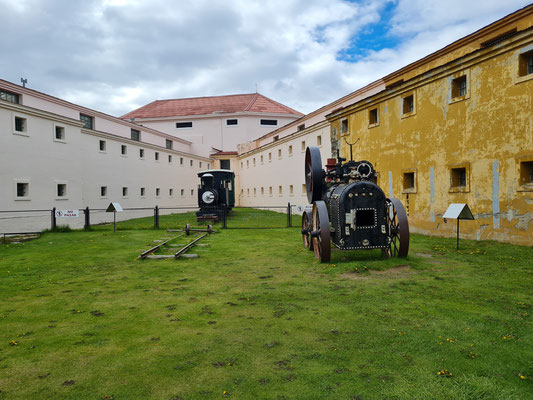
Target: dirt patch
[[399, 271]]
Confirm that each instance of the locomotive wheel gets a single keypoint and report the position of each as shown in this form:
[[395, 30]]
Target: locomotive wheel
[[314, 177], [398, 228], [321, 234], [188, 229], [306, 230]]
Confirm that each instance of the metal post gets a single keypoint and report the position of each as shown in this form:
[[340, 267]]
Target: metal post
[[87, 224], [288, 215], [53, 218], [457, 233], [114, 219], [156, 217]]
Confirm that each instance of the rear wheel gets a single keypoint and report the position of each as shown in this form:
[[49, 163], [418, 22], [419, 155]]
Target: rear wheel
[[306, 230], [398, 228], [320, 233]]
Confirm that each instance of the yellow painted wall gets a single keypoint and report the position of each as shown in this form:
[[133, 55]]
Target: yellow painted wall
[[488, 131]]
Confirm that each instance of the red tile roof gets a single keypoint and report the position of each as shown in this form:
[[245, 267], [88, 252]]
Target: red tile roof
[[253, 102]]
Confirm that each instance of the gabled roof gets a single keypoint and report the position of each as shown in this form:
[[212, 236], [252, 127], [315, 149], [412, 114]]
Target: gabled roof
[[252, 102]]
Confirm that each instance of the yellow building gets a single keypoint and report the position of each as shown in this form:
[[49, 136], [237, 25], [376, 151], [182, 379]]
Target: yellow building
[[455, 127]]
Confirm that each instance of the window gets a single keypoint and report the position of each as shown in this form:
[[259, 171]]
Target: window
[[261, 159], [269, 157], [409, 181], [156, 155], [290, 150], [304, 191], [8, 96], [262, 191], [344, 126], [255, 192], [169, 158], [87, 120], [279, 153], [209, 165], [192, 192], [23, 190], [242, 164], [301, 127], [459, 178], [124, 191], [319, 140], [224, 164], [135, 135], [103, 191], [275, 138], [280, 190], [123, 149], [168, 144], [303, 145], [59, 133], [232, 122], [183, 125], [143, 192], [199, 164], [190, 163], [20, 124], [171, 192], [248, 192], [270, 122], [182, 192], [270, 191], [291, 190], [247, 163], [459, 87], [525, 64], [157, 192], [526, 173], [141, 153], [254, 161], [408, 104], [102, 145], [62, 190], [181, 160], [373, 117]]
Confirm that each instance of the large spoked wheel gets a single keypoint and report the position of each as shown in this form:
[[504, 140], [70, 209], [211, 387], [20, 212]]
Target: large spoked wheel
[[398, 228], [306, 230], [320, 233], [314, 177]]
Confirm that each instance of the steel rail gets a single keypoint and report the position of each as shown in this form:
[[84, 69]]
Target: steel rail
[[155, 248], [188, 246]]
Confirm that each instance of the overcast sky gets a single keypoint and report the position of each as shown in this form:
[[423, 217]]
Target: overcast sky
[[117, 55]]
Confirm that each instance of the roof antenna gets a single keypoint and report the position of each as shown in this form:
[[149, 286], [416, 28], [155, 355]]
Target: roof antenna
[[24, 81]]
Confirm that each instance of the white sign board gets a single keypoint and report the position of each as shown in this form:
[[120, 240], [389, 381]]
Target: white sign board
[[67, 213], [458, 211], [114, 207], [300, 209]]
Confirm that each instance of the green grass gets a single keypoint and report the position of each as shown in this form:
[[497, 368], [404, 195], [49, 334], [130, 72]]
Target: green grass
[[256, 316]]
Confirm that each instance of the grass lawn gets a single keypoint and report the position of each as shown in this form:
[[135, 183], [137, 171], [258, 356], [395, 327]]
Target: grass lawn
[[256, 316]]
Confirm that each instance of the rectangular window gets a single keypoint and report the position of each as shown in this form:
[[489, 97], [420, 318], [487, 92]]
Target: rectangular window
[[123, 149], [183, 125], [459, 86], [254, 161], [269, 156], [247, 163], [171, 192], [291, 190], [458, 177], [182, 192], [319, 140], [280, 190], [232, 122], [270, 122], [275, 138], [408, 104], [59, 133], [373, 117], [169, 158], [87, 120], [525, 64], [303, 145], [141, 153], [279, 153], [409, 182], [181, 160], [23, 189], [304, 191], [199, 164], [270, 191], [124, 191], [191, 162], [209, 165], [168, 144], [156, 155], [192, 192], [242, 164], [224, 164], [20, 124], [344, 126], [8, 96], [61, 190], [290, 150], [248, 192], [157, 192], [262, 191], [102, 145], [526, 173], [103, 191], [301, 127], [255, 192], [136, 135], [143, 192], [261, 159]]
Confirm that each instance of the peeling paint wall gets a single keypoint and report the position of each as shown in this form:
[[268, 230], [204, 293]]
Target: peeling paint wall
[[484, 129]]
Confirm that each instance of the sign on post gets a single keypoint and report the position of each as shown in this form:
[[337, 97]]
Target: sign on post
[[114, 207], [458, 211], [67, 213]]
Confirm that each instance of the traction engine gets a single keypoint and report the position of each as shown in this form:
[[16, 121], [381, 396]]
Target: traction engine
[[350, 210]]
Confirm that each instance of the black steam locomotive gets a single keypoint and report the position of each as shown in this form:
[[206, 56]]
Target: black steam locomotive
[[350, 209], [216, 194]]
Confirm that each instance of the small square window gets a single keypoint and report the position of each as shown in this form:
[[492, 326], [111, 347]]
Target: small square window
[[59, 133], [275, 138], [232, 122], [23, 189], [157, 192], [156, 155], [301, 127], [141, 153], [169, 158], [526, 174], [319, 140], [87, 120], [124, 191], [290, 150], [459, 179], [135, 135], [409, 182], [171, 192], [102, 145], [459, 87], [103, 191], [143, 192], [525, 64], [21, 124], [61, 190], [408, 104], [181, 160], [168, 144], [303, 145], [373, 117], [123, 149], [344, 126]]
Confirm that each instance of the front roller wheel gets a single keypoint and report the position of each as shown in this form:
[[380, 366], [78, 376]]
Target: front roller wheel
[[306, 230], [320, 233], [398, 228]]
